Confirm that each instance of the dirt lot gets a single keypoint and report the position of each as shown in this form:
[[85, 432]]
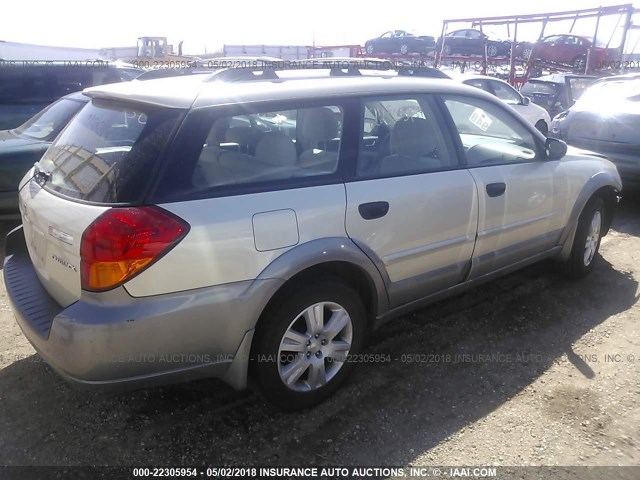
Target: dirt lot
[[529, 370]]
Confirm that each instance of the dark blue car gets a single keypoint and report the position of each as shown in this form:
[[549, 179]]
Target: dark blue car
[[21, 147], [399, 41]]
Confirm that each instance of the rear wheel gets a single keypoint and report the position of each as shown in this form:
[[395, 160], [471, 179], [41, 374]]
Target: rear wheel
[[492, 50], [302, 343], [587, 240], [404, 49]]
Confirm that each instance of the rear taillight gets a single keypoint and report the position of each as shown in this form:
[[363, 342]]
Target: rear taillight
[[122, 242]]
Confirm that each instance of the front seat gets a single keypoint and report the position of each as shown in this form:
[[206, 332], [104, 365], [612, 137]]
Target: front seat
[[414, 148]]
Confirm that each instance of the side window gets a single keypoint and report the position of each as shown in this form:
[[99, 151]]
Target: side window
[[506, 93], [269, 146], [490, 135], [401, 137], [478, 83]]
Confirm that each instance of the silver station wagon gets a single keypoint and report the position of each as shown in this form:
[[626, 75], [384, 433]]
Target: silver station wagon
[[191, 227]]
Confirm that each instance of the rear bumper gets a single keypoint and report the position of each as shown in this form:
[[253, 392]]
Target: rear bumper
[[113, 338]]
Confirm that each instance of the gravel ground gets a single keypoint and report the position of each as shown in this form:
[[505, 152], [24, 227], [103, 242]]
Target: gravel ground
[[531, 369]]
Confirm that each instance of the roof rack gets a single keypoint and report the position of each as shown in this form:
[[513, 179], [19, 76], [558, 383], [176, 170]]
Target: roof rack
[[337, 67]]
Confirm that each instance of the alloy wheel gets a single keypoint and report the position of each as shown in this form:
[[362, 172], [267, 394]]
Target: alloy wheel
[[593, 237], [315, 346]]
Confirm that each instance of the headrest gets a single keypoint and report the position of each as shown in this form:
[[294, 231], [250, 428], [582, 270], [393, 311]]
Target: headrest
[[412, 137], [275, 148], [319, 125]]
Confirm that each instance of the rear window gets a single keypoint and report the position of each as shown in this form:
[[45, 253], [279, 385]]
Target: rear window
[[539, 88], [108, 152]]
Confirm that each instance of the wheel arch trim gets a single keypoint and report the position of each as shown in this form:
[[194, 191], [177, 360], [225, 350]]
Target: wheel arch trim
[[328, 250], [597, 182]]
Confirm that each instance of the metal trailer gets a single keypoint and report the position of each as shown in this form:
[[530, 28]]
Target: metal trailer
[[625, 12]]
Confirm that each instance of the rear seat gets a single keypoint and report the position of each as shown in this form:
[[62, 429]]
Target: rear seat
[[275, 155]]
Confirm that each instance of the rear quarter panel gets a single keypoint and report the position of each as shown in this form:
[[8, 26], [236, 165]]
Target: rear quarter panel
[[222, 246]]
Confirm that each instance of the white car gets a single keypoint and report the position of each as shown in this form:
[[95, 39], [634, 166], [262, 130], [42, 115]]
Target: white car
[[194, 227], [534, 114]]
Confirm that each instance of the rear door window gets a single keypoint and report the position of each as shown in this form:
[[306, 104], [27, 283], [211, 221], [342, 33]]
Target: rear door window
[[402, 136], [108, 152]]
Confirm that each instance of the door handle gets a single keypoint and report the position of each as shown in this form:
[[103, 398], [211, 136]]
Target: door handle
[[496, 189], [373, 210]]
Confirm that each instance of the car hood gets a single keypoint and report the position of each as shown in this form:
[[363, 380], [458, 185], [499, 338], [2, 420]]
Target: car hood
[[12, 142]]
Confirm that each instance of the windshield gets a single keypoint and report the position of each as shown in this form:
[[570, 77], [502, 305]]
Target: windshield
[[108, 153], [48, 123]]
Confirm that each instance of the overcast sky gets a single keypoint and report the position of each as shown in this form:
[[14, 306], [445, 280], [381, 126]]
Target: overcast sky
[[206, 25]]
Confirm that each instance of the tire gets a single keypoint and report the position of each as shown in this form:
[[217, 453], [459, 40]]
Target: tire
[[447, 50], [526, 53], [587, 240], [287, 336], [492, 50], [370, 49], [579, 63], [542, 127], [404, 49]]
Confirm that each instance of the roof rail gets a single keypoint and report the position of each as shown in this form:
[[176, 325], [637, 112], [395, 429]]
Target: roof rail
[[337, 67], [255, 68]]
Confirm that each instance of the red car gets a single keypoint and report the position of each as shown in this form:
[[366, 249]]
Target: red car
[[572, 50]]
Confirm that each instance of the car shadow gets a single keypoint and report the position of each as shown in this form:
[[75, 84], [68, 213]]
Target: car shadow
[[627, 219], [5, 227], [426, 376]]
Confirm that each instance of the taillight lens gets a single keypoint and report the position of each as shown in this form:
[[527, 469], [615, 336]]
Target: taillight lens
[[122, 242]]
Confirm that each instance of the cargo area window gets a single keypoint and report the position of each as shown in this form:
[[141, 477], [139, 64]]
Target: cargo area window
[[269, 146]]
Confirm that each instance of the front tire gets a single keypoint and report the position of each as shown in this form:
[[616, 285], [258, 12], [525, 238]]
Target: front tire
[[371, 49], [404, 49], [587, 240], [492, 50], [303, 343]]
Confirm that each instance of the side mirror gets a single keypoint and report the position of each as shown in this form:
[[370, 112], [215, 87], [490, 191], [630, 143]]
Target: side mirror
[[526, 101], [555, 149]]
